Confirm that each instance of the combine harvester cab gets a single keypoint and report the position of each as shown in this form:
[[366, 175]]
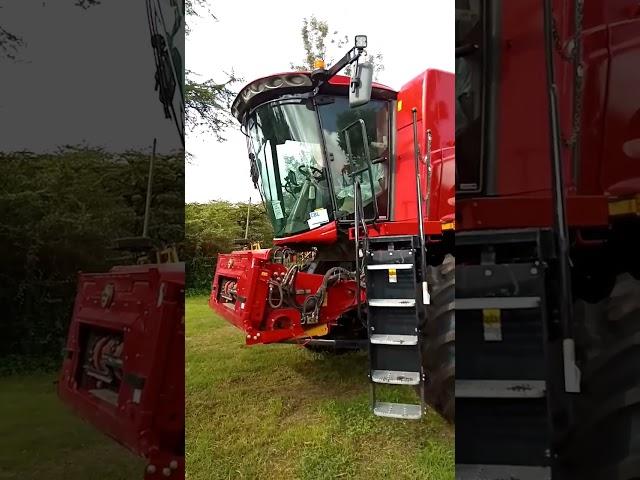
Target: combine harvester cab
[[327, 153], [123, 370]]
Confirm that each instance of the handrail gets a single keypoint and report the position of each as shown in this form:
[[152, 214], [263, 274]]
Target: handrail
[[423, 243]]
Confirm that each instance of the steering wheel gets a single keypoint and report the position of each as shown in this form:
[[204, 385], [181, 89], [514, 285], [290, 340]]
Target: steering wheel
[[316, 173]]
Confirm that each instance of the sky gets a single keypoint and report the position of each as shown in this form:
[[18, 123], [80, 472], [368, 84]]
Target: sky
[[81, 77], [255, 39]]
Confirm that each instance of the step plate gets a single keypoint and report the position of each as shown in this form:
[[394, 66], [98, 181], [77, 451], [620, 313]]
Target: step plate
[[500, 388], [383, 339], [395, 377], [391, 266], [503, 303], [502, 472], [397, 410], [392, 302]]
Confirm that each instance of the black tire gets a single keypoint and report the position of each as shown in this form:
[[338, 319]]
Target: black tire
[[606, 441], [439, 339]]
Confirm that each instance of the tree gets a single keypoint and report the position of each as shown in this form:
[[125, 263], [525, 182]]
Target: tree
[[207, 102], [318, 44]]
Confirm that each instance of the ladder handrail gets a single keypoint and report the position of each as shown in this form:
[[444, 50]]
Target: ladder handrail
[[423, 243]]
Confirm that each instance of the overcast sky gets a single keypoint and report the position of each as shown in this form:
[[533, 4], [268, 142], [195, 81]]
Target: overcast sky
[[81, 77], [258, 38]]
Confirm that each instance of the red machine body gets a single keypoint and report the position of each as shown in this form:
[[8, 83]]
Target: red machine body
[[123, 370], [244, 283], [430, 93], [241, 291], [517, 184]]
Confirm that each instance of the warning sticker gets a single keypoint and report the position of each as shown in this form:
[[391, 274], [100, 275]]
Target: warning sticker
[[277, 209], [492, 325], [393, 276]]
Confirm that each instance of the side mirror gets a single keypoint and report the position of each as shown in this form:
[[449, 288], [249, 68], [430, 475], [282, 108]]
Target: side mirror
[[361, 83]]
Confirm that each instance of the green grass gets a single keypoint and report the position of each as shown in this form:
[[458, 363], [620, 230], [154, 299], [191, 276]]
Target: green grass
[[282, 412], [41, 439]]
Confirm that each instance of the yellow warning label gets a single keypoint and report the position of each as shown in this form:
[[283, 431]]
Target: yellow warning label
[[399, 105], [492, 324], [393, 276]]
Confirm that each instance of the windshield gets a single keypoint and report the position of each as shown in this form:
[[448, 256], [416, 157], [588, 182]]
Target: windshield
[[335, 117], [285, 139]]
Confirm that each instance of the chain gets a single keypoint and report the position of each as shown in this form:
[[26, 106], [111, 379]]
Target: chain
[[572, 52], [579, 76]]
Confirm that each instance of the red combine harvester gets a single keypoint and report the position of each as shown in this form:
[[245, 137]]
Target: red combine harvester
[[548, 231], [124, 365], [358, 182]]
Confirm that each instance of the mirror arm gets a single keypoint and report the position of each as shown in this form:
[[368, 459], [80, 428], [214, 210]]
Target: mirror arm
[[321, 76]]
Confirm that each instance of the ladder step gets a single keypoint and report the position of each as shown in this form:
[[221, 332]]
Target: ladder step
[[387, 266], [392, 302], [501, 472], [500, 388], [384, 339], [397, 410], [497, 302], [395, 377]]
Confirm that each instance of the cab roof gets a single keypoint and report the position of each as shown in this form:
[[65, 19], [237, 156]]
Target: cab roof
[[273, 86]]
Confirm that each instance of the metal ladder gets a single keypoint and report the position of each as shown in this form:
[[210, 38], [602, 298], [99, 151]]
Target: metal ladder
[[505, 377], [394, 303]]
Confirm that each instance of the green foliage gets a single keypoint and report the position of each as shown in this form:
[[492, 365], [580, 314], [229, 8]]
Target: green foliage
[[208, 104], [60, 213], [319, 44], [212, 228], [309, 412]]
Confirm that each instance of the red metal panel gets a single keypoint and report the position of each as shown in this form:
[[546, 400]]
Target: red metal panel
[[432, 94], [528, 212], [399, 228], [325, 234], [146, 310], [251, 312], [610, 113]]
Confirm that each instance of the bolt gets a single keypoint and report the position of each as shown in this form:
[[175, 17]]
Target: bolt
[[488, 273], [151, 469], [534, 271], [166, 471], [173, 465]]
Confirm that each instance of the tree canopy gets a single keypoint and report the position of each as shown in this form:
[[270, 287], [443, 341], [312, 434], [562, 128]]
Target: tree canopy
[[320, 42], [212, 228], [61, 212]]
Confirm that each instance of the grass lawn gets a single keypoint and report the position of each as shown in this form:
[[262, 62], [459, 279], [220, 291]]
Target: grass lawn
[[41, 439], [282, 412]]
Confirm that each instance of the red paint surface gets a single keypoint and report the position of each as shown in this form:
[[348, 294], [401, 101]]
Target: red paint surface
[[610, 115], [152, 325], [431, 93], [251, 311]]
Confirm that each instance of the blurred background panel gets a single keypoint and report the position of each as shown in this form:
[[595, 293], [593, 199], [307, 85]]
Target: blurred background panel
[[548, 228], [91, 181]]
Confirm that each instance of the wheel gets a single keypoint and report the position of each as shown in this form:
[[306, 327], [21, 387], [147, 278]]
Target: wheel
[[606, 441], [439, 338]]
